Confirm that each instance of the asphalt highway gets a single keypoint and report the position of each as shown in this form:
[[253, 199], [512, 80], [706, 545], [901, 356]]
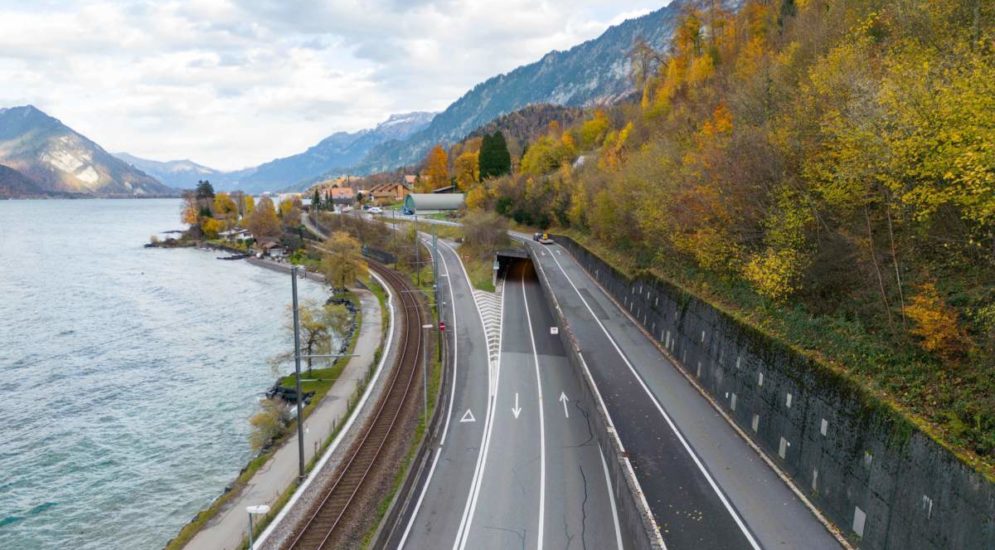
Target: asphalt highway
[[518, 466], [706, 487]]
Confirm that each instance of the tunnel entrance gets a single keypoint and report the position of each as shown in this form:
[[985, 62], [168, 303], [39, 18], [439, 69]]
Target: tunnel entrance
[[505, 258]]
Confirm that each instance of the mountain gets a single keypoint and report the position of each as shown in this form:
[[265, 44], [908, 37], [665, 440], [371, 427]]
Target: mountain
[[596, 71], [59, 159], [529, 123], [15, 185], [336, 153], [178, 174]]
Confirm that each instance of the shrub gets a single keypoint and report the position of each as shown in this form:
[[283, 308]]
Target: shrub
[[936, 324]]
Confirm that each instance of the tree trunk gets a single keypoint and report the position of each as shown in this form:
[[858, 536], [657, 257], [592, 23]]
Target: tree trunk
[[898, 271], [877, 268]]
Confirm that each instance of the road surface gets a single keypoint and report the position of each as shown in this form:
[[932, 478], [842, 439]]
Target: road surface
[[513, 471], [706, 486]]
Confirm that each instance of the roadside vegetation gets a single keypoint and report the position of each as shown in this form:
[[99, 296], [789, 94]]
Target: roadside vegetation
[[822, 169]]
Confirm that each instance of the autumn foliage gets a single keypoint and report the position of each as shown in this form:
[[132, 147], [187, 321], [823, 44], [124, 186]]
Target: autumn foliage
[[828, 161]]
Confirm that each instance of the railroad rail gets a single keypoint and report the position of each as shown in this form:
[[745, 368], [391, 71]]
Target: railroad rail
[[326, 521]]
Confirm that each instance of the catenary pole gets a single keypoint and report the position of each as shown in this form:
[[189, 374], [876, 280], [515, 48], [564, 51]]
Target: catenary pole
[[297, 371]]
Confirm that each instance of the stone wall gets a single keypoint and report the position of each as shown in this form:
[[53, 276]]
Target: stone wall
[[885, 483]]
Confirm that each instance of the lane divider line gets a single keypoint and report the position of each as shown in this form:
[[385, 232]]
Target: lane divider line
[[694, 457], [611, 497], [542, 422], [494, 371], [452, 400]]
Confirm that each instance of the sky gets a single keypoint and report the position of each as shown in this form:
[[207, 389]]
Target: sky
[[234, 83]]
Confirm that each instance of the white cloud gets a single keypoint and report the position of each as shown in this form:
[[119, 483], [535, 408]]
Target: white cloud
[[233, 83]]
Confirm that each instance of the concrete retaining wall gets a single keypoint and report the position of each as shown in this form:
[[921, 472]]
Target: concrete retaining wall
[[885, 483], [635, 518]]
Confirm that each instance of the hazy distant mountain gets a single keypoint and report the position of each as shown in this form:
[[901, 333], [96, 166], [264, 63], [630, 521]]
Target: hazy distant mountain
[[59, 159], [592, 72], [15, 185], [340, 151], [178, 174]]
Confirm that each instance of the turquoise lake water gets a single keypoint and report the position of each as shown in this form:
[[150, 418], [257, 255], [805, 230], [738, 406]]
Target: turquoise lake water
[[127, 375]]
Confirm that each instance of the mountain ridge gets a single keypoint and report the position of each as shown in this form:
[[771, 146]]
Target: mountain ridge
[[595, 71], [60, 160], [337, 152]]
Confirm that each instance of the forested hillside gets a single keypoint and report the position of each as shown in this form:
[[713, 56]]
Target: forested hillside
[[824, 168]]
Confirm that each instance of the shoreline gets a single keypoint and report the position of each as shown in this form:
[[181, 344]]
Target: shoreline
[[222, 508]]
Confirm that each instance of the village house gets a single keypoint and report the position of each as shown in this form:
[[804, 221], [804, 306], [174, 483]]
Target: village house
[[388, 193], [340, 196]]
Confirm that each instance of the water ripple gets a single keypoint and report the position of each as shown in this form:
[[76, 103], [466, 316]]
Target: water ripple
[[126, 375]]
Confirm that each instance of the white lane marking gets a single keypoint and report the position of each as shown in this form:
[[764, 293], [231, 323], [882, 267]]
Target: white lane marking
[[611, 498], [468, 417], [421, 497], [494, 369], [673, 427], [563, 399], [452, 401], [516, 410], [613, 433], [542, 424]]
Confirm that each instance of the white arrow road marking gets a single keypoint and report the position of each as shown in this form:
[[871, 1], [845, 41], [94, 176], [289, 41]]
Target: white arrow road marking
[[517, 410], [468, 417], [564, 399]]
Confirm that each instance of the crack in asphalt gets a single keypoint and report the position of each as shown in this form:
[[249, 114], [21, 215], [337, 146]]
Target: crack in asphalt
[[587, 424], [583, 510]]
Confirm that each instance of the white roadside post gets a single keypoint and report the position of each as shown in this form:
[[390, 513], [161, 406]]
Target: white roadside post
[[259, 509]]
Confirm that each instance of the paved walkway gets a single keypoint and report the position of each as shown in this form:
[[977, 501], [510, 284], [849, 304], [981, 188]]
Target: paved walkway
[[227, 529]]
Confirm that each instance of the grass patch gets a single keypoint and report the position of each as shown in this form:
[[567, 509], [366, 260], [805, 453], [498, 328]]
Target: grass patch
[[480, 269]]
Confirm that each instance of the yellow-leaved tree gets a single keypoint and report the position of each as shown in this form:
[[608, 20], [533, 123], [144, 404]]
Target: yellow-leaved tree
[[436, 170], [936, 324], [467, 169], [342, 262]]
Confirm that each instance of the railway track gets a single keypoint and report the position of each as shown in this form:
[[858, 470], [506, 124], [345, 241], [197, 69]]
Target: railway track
[[327, 521]]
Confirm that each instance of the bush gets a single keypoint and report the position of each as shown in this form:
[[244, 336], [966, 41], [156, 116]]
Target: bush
[[936, 324], [268, 424]]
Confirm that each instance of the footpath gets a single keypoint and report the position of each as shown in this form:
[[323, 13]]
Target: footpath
[[226, 530]]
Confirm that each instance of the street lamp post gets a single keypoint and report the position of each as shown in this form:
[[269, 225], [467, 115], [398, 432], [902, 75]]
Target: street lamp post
[[297, 371], [260, 509]]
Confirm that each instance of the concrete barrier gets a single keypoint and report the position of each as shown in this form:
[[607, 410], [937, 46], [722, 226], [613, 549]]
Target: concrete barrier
[[878, 477], [636, 522]]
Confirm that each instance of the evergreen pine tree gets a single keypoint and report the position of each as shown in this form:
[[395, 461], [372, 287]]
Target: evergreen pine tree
[[495, 160]]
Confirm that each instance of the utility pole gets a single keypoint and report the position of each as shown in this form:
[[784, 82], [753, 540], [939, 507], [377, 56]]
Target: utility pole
[[297, 370], [417, 257], [424, 359], [438, 288]]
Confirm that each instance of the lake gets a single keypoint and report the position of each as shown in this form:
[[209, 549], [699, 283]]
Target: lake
[[127, 375]]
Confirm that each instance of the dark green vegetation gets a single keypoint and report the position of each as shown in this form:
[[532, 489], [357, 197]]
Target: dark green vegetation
[[821, 169], [495, 160]]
